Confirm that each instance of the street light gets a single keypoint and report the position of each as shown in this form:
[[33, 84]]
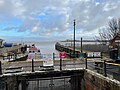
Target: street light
[[74, 39]]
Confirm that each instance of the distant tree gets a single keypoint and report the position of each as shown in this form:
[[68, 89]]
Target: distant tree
[[107, 34]]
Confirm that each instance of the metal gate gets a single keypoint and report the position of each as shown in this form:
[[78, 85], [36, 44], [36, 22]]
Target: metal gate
[[53, 83]]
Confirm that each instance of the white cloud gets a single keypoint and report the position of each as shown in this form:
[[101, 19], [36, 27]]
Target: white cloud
[[109, 6], [53, 17]]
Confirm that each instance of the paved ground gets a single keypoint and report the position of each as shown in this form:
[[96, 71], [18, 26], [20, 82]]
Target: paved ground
[[113, 71], [27, 65]]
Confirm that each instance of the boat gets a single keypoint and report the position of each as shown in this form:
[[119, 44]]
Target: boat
[[13, 58], [33, 53]]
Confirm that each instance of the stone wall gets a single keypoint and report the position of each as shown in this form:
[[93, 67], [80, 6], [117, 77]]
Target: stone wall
[[88, 80], [8, 83], [95, 81]]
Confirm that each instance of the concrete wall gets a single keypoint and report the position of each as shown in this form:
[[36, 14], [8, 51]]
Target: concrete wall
[[95, 81]]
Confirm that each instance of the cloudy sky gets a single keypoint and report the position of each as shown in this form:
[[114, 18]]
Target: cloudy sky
[[53, 19]]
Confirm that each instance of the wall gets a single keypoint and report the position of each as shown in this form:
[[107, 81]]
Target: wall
[[88, 80], [95, 81], [8, 83]]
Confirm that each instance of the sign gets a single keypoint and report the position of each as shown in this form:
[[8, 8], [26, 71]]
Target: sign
[[117, 41], [90, 54], [94, 54], [57, 56], [48, 63], [62, 54], [97, 54], [38, 56], [46, 56], [31, 56]]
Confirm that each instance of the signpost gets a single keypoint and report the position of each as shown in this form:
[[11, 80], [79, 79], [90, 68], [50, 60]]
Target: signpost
[[32, 57], [62, 55]]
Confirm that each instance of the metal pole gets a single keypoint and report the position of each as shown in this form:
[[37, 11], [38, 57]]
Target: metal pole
[[53, 56], [86, 62], [81, 45], [74, 39], [60, 63], [32, 65], [0, 68], [101, 56], [118, 50], [105, 73]]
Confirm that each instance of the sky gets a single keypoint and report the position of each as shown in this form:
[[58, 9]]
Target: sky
[[47, 20]]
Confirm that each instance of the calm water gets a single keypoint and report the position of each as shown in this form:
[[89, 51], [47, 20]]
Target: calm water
[[45, 47], [49, 46]]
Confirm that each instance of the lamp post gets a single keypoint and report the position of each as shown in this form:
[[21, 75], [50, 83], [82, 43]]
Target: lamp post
[[74, 40]]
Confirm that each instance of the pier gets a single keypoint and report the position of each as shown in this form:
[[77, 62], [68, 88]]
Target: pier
[[68, 50]]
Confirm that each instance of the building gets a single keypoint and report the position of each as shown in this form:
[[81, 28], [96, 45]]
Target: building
[[114, 47], [115, 42]]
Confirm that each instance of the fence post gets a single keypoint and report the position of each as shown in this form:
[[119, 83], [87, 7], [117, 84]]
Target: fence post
[[70, 54], [32, 65], [101, 56], [105, 74], [53, 56], [60, 63], [0, 68], [86, 62]]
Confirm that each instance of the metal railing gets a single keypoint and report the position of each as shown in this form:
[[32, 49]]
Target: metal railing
[[101, 66], [104, 67]]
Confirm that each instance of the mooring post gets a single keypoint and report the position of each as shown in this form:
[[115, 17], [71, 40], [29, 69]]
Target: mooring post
[[0, 68], [32, 65], [60, 63], [105, 73]]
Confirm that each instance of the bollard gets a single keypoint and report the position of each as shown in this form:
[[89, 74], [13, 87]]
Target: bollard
[[32, 65], [60, 63], [105, 74], [0, 68]]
